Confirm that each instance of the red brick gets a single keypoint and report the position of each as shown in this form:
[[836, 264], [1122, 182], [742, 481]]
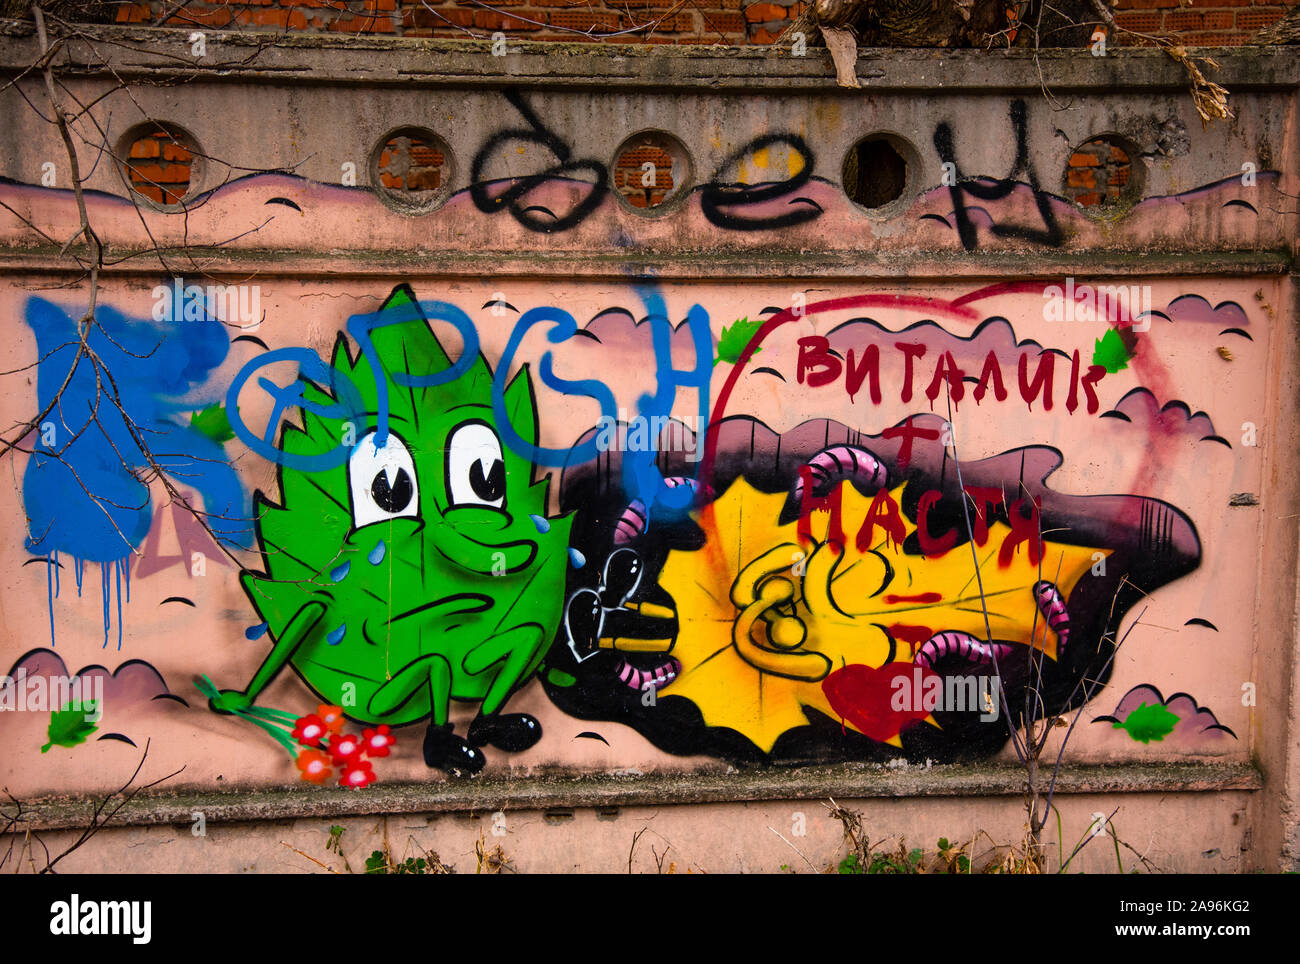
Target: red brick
[[1213, 39], [265, 18], [586, 20], [490, 20], [1254, 19], [1084, 160], [158, 174], [134, 13], [1184, 20], [1218, 20], [1141, 22], [219, 17], [764, 12], [437, 17], [172, 151], [1150, 4], [364, 23], [725, 22], [567, 37], [146, 147], [680, 23]]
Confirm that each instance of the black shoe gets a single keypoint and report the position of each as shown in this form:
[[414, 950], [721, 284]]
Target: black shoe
[[511, 732], [444, 750]]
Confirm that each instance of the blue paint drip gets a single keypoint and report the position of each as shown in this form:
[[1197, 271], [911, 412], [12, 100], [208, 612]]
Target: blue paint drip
[[577, 558], [78, 570], [339, 573], [255, 632], [376, 555], [103, 595], [117, 570], [49, 589], [543, 526], [336, 637], [56, 573]]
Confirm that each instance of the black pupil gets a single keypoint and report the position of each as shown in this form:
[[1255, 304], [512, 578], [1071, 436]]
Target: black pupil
[[392, 497], [491, 486]]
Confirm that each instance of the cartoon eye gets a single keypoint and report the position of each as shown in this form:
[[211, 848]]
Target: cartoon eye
[[476, 474], [382, 481]]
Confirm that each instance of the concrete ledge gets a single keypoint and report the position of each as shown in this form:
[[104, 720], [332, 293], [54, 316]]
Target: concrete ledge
[[278, 58], [567, 791], [765, 264]]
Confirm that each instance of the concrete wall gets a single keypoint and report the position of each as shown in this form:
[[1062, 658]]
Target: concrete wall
[[674, 467]]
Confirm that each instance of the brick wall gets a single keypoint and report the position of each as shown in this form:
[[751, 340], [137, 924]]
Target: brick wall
[[1204, 23]]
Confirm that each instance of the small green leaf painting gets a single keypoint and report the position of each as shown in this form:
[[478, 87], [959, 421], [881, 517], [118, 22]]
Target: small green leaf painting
[[1149, 722], [213, 423], [1110, 352], [734, 339], [72, 724]]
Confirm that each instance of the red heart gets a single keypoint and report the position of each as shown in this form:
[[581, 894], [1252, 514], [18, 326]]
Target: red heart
[[865, 696]]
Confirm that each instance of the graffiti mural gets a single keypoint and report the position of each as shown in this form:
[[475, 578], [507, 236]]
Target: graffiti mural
[[400, 522], [831, 572]]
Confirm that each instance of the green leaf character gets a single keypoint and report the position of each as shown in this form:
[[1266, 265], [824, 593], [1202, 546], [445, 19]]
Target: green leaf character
[[734, 339], [1149, 722], [72, 724], [424, 569]]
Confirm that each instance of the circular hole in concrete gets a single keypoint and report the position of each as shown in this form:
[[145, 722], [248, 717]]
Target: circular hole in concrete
[[1104, 174], [877, 169], [160, 162], [651, 170], [411, 169]]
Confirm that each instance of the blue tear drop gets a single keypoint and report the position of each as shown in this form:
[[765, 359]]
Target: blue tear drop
[[376, 555], [336, 637], [340, 573], [542, 524], [255, 632], [577, 558]]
